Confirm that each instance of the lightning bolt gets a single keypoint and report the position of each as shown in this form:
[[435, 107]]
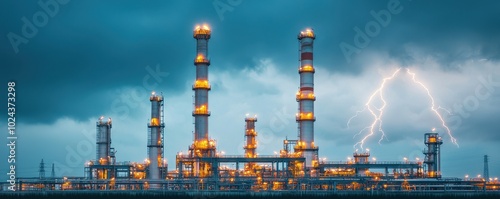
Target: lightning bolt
[[433, 106], [378, 112]]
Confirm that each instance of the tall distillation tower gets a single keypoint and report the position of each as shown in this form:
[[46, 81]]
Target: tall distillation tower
[[103, 144], [433, 154], [156, 126], [202, 146], [251, 141], [305, 97]]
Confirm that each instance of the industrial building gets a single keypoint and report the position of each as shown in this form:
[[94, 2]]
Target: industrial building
[[296, 167]]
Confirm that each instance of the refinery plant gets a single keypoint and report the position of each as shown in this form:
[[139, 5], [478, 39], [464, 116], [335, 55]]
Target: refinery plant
[[296, 168]]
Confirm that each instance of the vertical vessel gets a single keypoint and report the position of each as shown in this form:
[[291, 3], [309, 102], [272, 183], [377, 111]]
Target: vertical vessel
[[305, 97], [433, 154], [251, 141], [202, 146], [103, 141], [155, 138], [103, 147]]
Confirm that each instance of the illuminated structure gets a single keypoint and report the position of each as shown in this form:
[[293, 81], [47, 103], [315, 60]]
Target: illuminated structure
[[305, 96], [251, 142], [103, 148], [103, 141], [202, 145], [155, 161], [361, 158], [433, 155]]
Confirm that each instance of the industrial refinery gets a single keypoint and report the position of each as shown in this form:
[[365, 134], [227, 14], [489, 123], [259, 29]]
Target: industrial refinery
[[296, 168]]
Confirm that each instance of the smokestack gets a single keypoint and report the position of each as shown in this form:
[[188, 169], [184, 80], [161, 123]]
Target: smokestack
[[305, 97], [155, 137], [103, 141], [201, 87], [202, 146]]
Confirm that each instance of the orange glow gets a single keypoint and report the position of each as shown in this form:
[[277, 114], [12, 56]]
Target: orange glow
[[201, 84], [155, 97], [251, 132], [155, 122], [306, 68], [201, 110], [201, 59], [204, 144], [305, 116], [307, 33], [103, 161], [202, 30], [305, 95], [315, 163]]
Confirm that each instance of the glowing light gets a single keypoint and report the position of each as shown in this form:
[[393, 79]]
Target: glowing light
[[377, 112], [201, 84], [205, 26], [306, 68], [308, 33]]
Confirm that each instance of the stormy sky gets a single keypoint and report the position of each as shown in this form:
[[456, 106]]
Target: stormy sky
[[74, 61]]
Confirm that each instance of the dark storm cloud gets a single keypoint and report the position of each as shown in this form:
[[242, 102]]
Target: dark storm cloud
[[77, 64], [88, 51], [445, 29]]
